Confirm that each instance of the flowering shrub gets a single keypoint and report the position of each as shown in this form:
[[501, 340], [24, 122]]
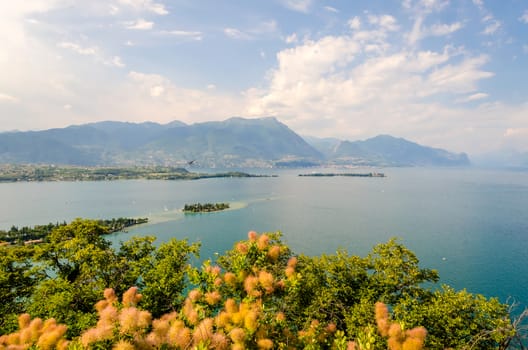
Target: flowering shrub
[[260, 295]]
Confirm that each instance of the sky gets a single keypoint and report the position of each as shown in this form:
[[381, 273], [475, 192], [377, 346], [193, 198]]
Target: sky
[[450, 74]]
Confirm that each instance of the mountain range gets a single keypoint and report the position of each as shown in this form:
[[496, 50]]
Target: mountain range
[[235, 142]]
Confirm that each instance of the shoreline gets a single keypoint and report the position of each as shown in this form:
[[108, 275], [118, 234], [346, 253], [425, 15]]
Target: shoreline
[[41, 173]]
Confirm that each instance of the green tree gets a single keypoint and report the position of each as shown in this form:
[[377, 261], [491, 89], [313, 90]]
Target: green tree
[[59, 299], [458, 319], [18, 277], [394, 272], [163, 283], [329, 287], [80, 264]]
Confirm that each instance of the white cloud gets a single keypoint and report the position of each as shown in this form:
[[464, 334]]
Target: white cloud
[[524, 17], [487, 18], [67, 107], [416, 32], [236, 34], [386, 22], [265, 27], [434, 5], [331, 9], [492, 27], [8, 98], [444, 29], [423, 7], [93, 51], [515, 138], [157, 90], [156, 95], [19, 9], [113, 10], [326, 87], [407, 4], [354, 23], [145, 5], [191, 35], [139, 24], [303, 6], [479, 3], [116, 61], [474, 97], [291, 39], [516, 132], [420, 9], [460, 78], [259, 29], [87, 51]]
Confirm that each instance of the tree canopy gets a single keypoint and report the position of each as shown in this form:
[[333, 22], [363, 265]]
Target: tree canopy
[[258, 295]]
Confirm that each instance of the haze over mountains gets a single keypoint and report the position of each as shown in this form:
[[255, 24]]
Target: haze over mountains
[[236, 142]]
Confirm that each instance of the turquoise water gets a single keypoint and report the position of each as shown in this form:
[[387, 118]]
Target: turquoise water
[[471, 225]]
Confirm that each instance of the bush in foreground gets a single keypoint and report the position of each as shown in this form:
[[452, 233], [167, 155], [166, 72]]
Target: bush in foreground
[[259, 295]]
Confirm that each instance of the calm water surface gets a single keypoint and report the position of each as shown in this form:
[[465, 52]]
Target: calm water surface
[[471, 225]]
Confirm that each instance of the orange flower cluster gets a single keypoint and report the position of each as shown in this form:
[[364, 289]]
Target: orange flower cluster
[[127, 321], [397, 338], [46, 335], [236, 325]]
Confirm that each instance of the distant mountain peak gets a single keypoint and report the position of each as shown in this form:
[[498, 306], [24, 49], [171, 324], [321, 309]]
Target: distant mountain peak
[[387, 150]]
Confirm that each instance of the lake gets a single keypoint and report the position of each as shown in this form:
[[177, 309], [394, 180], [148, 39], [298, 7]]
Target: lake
[[469, 224]]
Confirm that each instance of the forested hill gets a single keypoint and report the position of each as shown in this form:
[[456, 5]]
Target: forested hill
[[236, 142]]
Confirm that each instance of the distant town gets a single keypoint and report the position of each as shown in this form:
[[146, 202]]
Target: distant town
[[30, 173]]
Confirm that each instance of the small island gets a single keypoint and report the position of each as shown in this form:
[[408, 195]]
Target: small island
[[345, 174], [205, 208]]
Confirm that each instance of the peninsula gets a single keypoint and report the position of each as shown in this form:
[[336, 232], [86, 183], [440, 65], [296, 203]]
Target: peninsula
[[38, 234], [30, 173]]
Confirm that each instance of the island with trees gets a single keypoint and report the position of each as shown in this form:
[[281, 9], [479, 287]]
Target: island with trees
[[371, 174], [205, 207], [78, 291], [38, 233], [29, 173]]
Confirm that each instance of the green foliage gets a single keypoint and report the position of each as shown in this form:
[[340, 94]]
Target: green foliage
[[259, 296], [457, 319], [17, 235], [39, 233], [394, 272], [79, 263], [59, 299], [329, 286], [18, 277], [205, 207], [165, 279]]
